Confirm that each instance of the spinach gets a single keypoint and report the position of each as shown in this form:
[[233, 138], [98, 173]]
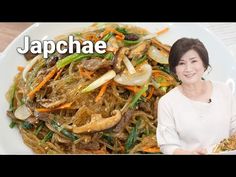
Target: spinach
[[132, 136], [12, 124], [47, 137], [26, 125], [39, 128], [137, 96], [63, 131]]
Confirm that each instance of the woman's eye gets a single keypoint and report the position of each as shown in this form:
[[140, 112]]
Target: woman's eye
[[194, 61], [181, 63]]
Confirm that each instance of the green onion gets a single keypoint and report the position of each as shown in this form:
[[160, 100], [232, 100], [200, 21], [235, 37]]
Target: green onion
[[128, 43], [71, 58], [137, 96], [147, 132], [12, 95], [26, 125], [107, 37], [163, 88], [75, 57], [77, 34], [132, 136], [165, 68], [160, 79], [109, 56], [39, 128], [22, 102], [47, 137], [100, 81], [140, 60], [121, 30], [12, 124], [108, 138], [155, 84], [115, 146], [63, 131]]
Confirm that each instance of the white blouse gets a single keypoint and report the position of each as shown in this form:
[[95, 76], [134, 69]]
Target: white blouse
[[187, 124]]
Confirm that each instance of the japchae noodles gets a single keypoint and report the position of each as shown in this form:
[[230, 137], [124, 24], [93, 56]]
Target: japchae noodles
[[227, 144], [93, 103]]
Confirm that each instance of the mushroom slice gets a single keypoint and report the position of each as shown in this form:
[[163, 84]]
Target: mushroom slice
[[98, 123]]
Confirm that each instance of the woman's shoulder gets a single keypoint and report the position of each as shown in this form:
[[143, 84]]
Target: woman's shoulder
[[222, 90], [171, 96], [221, 86]]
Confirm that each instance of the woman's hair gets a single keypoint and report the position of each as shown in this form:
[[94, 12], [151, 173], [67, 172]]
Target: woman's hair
[[183, 45]]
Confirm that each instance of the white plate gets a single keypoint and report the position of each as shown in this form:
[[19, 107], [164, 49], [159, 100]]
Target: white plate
[[222, 62]]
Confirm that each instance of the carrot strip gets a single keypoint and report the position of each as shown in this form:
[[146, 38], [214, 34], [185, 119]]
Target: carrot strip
[[101, 151], [113, 83], [102, 91], [118, 33], [160, 45], [86, 74], [150, 93], [165, 84], [108, 30], [42, 109], [64, 106], [20, 68], [163, 52], [120, 37], [58, 74], [105, 32], [92, 37], [163, 31], [41, 84], [152, 149], [135, 89], [157, 73], [131, 88], [80, 71]]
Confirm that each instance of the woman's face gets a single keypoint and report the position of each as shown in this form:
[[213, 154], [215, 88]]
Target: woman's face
[[190, 68]]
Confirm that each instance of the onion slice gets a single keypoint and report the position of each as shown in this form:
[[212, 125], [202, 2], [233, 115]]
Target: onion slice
[[30, 65], [129, 65], [100, 81], [142, 75], [22, 112]]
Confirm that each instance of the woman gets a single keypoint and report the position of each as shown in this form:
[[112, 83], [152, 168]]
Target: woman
[[198, 113]]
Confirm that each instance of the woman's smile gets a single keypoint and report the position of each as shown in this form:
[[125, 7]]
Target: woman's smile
[[189, 76], [190, 68]]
